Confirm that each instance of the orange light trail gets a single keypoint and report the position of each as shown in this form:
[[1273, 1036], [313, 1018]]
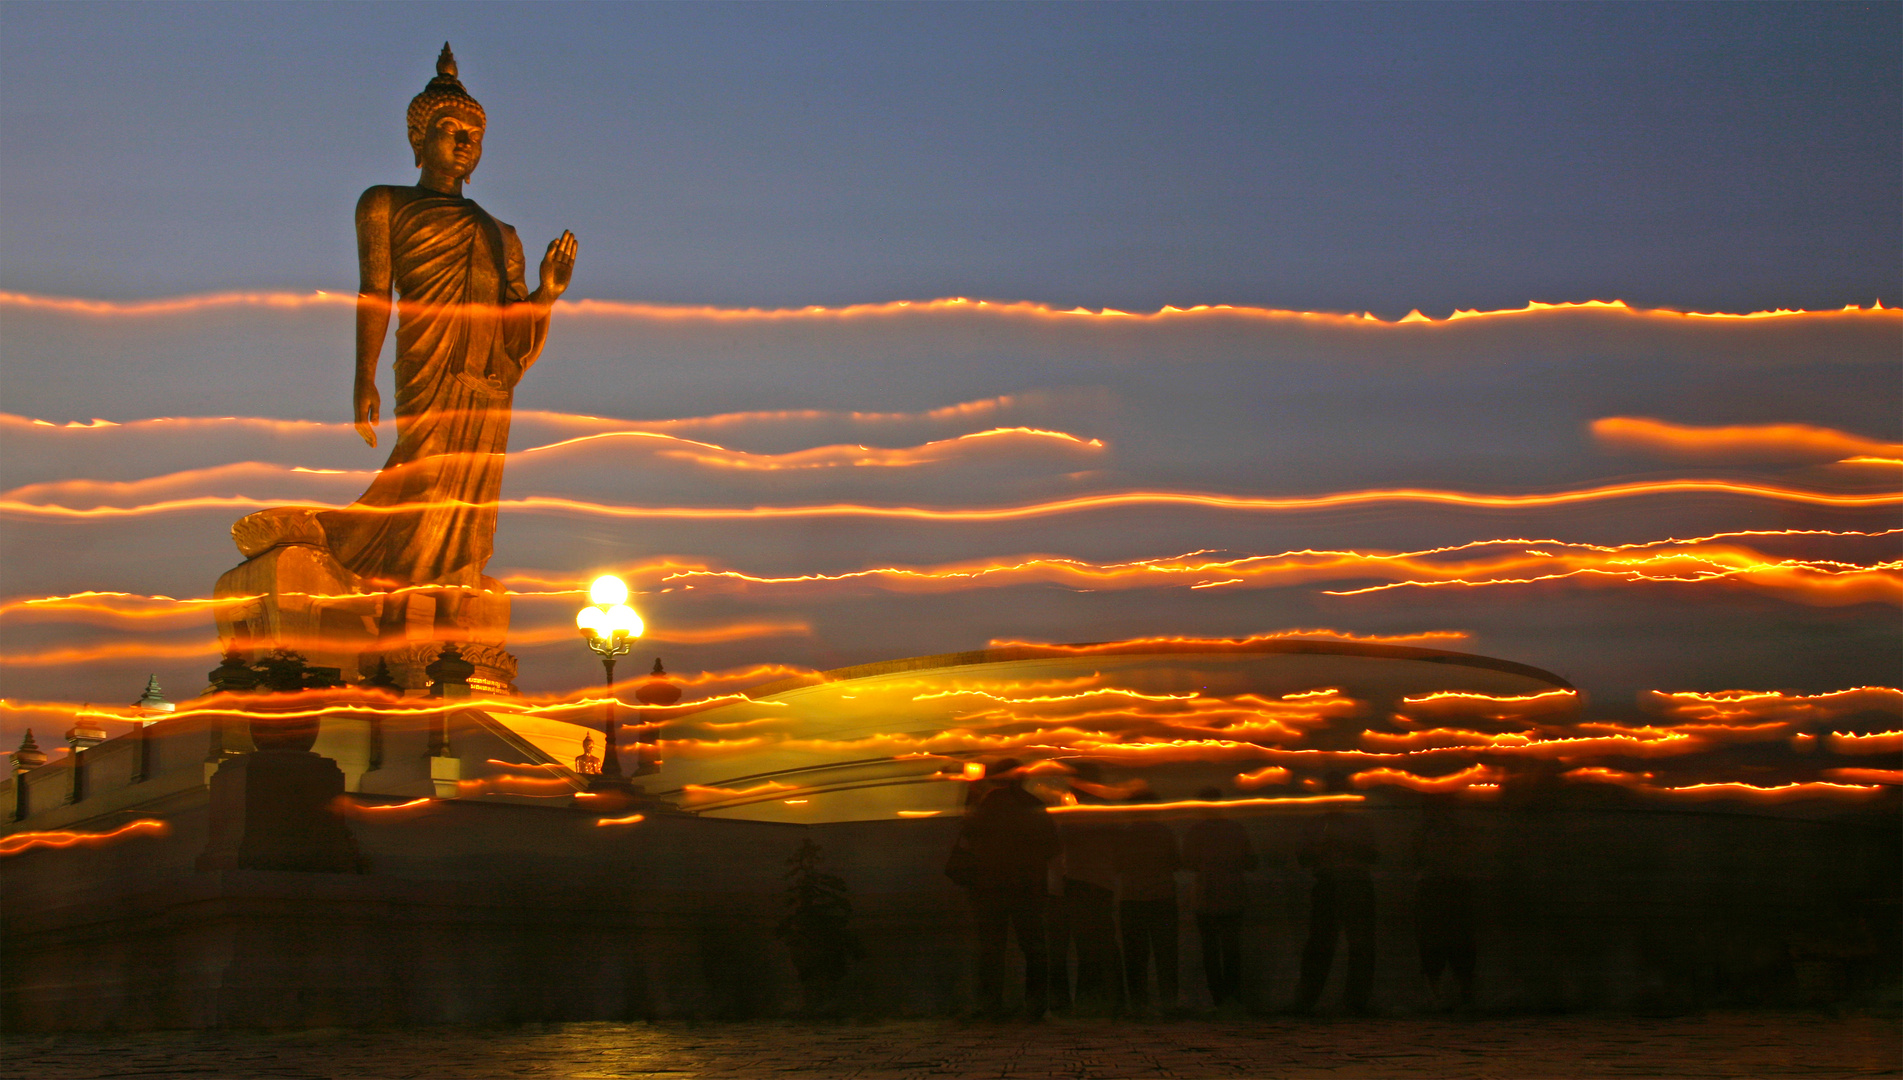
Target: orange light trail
[[228, 476], [1469, 705], [1131, 644], [1748, 706], [121, 605], [1808, 581], [113, 650], [1266, 776], [412, 804], [955, 304], [961, 411], [1204, 804], [707, 793], [1076, 504], [16, 843], [1693, 560], [531, 635], [1777, 442], [828, 457], [631, 819], [1866, 776], [1774, 792], [1882, 742], [1432, 738], [1477, 774]]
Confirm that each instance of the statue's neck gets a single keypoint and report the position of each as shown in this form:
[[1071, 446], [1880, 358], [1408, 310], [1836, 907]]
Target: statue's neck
[[451, 186]]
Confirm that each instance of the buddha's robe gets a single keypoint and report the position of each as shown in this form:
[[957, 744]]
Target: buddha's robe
[[429, 517]]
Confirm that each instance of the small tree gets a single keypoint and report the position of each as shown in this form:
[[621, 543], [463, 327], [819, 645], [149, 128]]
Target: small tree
[[814, 928]]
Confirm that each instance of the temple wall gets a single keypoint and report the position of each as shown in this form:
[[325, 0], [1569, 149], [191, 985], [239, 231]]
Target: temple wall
[[476, 910]]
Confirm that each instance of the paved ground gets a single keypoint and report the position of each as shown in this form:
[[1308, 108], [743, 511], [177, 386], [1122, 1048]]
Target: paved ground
[[1712, 1045]]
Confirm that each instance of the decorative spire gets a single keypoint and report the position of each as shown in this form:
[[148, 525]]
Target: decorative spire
[[153, 700], [655, 690], [383, 679], [449, 673], [29, 755], [85, 733], [234, 676], [444, 91]]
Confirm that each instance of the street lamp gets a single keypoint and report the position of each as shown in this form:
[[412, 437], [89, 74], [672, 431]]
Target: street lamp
[[609, 626]]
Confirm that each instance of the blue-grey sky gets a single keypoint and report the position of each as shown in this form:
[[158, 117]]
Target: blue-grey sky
[[1339, 158], [1304, 156]]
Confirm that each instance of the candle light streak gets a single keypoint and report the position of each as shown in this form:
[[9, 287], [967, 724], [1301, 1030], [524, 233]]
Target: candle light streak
[[1752, 442], [1266, 776], [16, 843], [125, 309], [1025, 511]]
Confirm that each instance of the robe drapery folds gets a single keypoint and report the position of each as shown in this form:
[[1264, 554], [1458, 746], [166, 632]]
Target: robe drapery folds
[[429, 517]]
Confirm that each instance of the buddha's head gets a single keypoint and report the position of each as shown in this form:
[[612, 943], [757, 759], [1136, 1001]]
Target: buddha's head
[[446, 124]]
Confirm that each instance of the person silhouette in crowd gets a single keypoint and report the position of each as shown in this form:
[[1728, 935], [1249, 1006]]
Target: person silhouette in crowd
[[1339, 848], [1002, 857], [1147, 861], [1087, 904], [1218, 850], [1443, 901]]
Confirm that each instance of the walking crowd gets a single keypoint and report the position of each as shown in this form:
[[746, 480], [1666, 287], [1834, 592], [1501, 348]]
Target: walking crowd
[[1092, 902]]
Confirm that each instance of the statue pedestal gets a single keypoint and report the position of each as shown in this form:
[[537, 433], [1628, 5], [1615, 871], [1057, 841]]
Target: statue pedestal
[[292, 593], [275, 810]]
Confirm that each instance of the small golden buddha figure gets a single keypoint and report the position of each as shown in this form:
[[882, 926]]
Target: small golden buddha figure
[[588, 764]]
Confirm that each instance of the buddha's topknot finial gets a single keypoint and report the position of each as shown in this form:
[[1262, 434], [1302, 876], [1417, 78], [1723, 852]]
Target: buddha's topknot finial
[[444, 91]]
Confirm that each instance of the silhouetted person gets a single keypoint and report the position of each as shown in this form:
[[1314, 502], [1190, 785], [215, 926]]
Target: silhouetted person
[[1339, 847], [1443, 901], [1087, 901], [1147, 862], [1218, 850], [1007, 844]]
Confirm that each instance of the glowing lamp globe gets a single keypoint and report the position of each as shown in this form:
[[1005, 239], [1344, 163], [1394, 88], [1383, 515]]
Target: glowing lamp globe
[[590, 619], [621, 620], [608, 591]]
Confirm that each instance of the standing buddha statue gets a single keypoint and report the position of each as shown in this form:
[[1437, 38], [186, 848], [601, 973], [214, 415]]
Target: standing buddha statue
[[403, 566]]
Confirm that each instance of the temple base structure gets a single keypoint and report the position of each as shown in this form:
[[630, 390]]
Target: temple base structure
[[292, 593], [277, 810]]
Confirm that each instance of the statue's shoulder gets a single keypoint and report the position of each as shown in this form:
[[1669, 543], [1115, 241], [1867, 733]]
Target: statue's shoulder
[[379, 199]]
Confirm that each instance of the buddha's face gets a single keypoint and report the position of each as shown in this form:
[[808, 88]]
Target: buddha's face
[[451, 145]]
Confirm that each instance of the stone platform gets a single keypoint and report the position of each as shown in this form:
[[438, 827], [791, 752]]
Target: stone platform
[[471, 911], [1768, 1045]]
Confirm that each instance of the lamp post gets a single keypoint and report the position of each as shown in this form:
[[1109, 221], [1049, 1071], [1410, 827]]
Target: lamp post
[[609, 626]]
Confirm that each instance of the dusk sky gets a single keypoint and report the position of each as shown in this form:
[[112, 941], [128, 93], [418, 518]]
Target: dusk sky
[[768, 198]]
